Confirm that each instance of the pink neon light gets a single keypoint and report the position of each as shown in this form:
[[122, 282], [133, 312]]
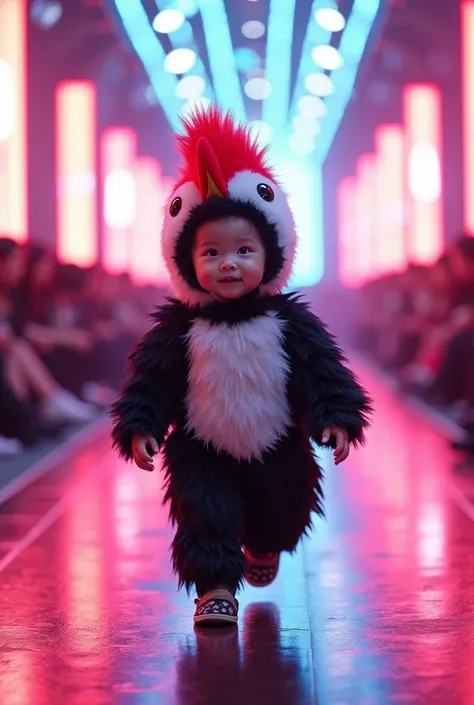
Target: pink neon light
[[146, 262], [390, 246], [423, 123], [347, 244], [76, 195], [467, 57], [13, 162], [365, 215], [118, 150]]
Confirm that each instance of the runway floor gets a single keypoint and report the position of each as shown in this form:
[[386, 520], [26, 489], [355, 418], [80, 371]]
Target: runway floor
[[377, 607]]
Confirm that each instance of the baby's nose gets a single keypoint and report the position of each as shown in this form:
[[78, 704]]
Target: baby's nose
[[228, 264]]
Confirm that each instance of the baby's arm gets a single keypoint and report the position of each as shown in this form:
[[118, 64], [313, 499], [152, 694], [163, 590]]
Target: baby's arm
[[321, 384], [151, 397]]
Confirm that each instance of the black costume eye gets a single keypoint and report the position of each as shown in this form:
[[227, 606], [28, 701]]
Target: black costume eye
[[265, 192], [175, 206]]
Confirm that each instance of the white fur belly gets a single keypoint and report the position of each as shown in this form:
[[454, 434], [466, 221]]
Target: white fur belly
[[237, 385]]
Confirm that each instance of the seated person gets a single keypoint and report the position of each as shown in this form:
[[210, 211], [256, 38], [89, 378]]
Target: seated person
[[24, 377]]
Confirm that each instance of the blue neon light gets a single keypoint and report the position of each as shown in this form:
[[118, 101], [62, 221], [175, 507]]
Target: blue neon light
[[353, 42], [221, 56], [278, 64], [315, 35], [152, 55], [302, 181]]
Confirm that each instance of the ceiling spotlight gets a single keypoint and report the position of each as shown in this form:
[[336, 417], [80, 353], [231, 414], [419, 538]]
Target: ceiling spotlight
[[46, 13], [312, 107], [168, 21], [301, 143], [190, 87], [253, 29], [319, 84], [304, 125], [330, 19], [180, 60], [327, 57], [258, 88]]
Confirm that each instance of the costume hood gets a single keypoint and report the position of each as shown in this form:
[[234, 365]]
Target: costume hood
[[224, 173]]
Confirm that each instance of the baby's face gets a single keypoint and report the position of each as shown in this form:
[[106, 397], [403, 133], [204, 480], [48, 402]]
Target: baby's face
[[228, 258]]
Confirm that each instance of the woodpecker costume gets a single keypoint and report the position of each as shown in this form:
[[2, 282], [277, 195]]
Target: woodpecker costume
[[244, 385]]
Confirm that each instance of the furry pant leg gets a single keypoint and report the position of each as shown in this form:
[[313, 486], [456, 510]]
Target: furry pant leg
[[206, 507], [280, 496]]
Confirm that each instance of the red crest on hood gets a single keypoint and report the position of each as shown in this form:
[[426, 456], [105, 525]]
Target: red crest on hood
[[232, 144]]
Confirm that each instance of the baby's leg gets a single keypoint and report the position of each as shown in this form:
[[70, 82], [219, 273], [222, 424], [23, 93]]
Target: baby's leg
[[280, 496], [205, 504]]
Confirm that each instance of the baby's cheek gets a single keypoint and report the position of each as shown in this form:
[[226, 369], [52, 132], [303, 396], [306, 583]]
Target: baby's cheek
[[204, 273]]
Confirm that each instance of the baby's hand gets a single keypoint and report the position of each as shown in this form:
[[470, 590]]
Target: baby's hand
[[341, 451], [141, 454]]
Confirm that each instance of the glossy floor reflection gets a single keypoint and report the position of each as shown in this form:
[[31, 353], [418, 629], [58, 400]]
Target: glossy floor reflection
[[376, 608]]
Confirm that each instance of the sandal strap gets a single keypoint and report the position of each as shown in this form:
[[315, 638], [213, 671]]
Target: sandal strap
[[216, 606], [217, 601]]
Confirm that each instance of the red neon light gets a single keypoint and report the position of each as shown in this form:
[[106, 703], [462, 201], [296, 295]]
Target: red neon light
[[467, 58], [13, 163], [76, 194], [390, 246], [146, 262], [347, 244], [423, 122], [118, 150]]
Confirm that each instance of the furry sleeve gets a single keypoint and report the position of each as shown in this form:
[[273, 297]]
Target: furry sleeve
[[321, 385], [152, 397]]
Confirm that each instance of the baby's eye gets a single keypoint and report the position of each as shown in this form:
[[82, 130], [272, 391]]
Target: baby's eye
[[243, 250], [211, 253]]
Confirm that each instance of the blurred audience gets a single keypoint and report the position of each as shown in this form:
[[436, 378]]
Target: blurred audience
[[65, 334], [419, 325]]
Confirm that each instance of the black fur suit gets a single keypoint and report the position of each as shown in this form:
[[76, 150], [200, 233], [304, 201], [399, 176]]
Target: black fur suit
[[244, 386], [220, 502]]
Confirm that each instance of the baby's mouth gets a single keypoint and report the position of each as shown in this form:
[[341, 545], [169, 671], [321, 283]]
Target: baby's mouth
[[229, 280]]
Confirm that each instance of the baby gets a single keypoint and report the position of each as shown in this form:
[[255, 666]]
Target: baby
[[245, 376]]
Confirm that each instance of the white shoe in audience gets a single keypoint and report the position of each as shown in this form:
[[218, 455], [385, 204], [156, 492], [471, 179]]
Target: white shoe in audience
[[10, 446], [64, 406]]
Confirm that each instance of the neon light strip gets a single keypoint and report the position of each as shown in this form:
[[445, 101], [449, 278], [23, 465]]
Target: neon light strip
[[364, 207], [467, 56], [76, 197], [152, 55], [390, 245], [221, 56], [314, 35], [422, 113], [278, 64], [346, 229], [303, 183], [146, 264], [353, 41], [118, 149], [13, 160]]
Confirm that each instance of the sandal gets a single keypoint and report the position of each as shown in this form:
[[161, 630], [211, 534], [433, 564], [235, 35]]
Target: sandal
[[218, 607], [261, 571]]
